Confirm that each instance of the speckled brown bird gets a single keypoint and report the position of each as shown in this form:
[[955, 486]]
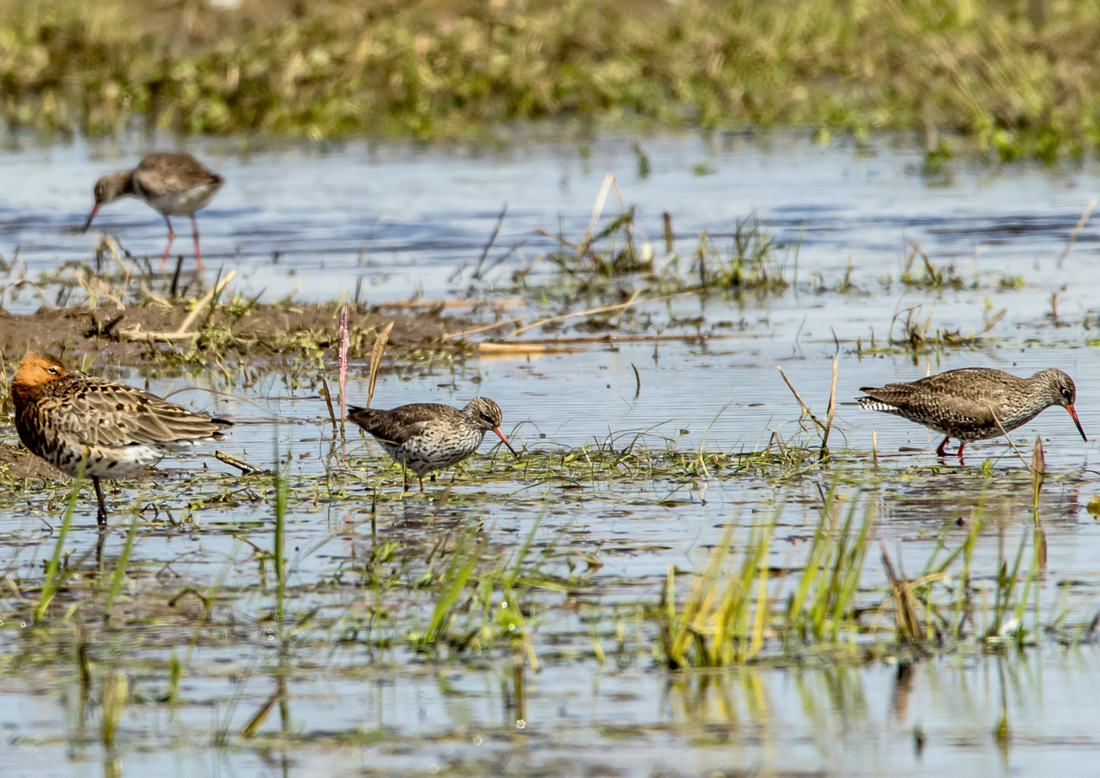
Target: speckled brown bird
[[174, 184], [967, 404], [78, 422], [427, 436]]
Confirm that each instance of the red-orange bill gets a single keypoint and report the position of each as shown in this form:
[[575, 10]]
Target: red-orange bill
[[500, 435], [1077, 421], [87, 224]]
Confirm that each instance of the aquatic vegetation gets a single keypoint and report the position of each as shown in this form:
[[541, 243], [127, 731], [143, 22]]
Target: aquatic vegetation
[[1007, 81], [609, 262], [733, 615], [311, 579], [625, 584]]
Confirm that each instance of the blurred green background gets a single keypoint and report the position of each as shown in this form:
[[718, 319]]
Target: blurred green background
[[1005, 78]]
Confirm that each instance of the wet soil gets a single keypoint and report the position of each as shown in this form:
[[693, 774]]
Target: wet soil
[[17, 462], [137, 334]]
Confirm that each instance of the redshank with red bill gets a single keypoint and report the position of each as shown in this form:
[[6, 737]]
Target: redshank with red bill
[[173, 184], [426, 436], [974, 403], [87, 425]]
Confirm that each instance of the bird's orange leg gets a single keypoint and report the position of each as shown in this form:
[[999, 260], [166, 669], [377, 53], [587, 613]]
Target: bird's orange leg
[[198, 251], [168, 248]]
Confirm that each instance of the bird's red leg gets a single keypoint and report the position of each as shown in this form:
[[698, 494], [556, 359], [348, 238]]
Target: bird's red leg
[[171, 237], [198, 251], [421, 483], [940, 451], [962, 444]]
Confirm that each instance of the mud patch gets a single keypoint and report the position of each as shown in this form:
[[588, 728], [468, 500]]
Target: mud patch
[[17, 462], [139, 334]]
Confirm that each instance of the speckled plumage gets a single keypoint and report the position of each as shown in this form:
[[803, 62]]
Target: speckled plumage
[[69, 417], [174, 184], [967, 404], [428, 436]]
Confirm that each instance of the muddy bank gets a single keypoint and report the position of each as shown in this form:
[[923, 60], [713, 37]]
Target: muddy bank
[[172, 333], [16, 462]]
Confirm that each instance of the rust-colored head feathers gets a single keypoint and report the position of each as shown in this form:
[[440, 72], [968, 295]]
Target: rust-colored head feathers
[[34, 370]]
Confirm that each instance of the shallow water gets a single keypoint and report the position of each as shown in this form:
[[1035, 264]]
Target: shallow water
[[404, 219]]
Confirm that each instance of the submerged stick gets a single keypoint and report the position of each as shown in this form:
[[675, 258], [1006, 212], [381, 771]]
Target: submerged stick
[[240, 464]]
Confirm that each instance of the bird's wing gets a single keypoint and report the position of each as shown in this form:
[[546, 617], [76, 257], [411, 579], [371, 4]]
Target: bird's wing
[[159, 174], [104, 413], [909, 400], [400, 424]]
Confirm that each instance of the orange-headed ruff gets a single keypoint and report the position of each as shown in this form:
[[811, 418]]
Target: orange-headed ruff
[[78, 422]]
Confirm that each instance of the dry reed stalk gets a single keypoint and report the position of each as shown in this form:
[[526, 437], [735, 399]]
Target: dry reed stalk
[[183, 332], [827, 425], [344, 335], [1076, 231], [376, 360]]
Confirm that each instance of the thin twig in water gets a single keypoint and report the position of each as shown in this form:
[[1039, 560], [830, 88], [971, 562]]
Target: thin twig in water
[[484, 328], [597, 211], [240, 464], [529, 347], [489, 243], [824, 426], [608, 337], [590, 312], [1077, 231]]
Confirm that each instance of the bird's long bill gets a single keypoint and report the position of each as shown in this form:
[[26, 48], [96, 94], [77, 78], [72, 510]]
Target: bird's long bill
[[87, 224], [500, 435], [1077, 421]]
